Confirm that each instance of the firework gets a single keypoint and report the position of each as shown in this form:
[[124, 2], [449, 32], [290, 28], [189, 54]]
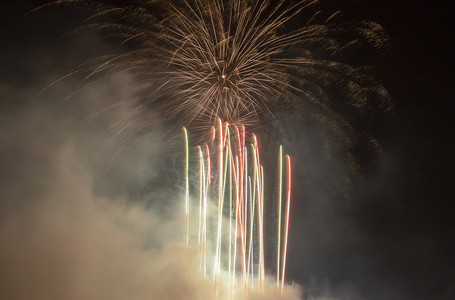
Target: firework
[[223, 65], [231, 172], [240, 61]]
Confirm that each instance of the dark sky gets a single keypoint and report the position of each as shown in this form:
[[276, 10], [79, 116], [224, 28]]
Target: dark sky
[[403, 209], [410, 217], [416, 208]]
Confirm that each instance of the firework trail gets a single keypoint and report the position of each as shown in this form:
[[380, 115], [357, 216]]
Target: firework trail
[[236, 63], [230, 171]]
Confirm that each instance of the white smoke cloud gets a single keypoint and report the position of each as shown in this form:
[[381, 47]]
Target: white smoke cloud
[[68, 228]]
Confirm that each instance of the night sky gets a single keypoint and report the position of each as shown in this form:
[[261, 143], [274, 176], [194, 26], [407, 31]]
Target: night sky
[[391, 239]]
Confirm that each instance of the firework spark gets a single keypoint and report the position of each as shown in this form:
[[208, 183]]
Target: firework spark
[[240, 61], [233, 61], [236, 179]]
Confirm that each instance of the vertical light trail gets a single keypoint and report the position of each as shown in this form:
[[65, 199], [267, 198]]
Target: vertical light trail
[[261, 271], [229, 157], [250, 246], [242, 198], [245, 212], [203, 217], [206, 195], [280, 195], [240, 177], [254, 203], [236, 165], [187, 187], [213, 134], [262, 254], [288, 209], [201, 197], [217, 264]]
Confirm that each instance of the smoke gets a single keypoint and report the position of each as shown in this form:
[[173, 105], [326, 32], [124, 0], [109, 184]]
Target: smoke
[[82, 215], [89, 212]]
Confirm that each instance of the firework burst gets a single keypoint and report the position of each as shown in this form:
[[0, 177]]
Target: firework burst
[[238, 63], [241, 61], [229, 232]]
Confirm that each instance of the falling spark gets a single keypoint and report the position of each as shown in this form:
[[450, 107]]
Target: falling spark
[[238, 183], [232, 60], [187, 195], [280, 195], [288, 212], [237, 60]]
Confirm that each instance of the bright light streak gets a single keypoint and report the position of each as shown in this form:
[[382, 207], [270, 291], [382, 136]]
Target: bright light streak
[[280, 198], [288, 210], [238, 181], [187, 187]]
